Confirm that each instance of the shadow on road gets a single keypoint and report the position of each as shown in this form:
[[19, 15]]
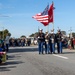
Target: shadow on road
[[23, 50], [35, 50], [9, 65], [13, 61], [5, 68], [68, 52], [14, 56]]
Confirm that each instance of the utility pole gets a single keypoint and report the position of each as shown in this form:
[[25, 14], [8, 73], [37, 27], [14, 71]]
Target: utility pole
[[70, 32]]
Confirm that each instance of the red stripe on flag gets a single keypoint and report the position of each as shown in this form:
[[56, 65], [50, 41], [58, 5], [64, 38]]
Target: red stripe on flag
[[43, 19]]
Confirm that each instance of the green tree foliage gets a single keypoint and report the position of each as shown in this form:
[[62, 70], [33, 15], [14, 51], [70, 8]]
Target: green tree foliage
[[3, 33], [23, 36], [63, 32], [73, 34], [34, 34]]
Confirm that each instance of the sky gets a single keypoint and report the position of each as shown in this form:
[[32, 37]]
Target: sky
[[16, 16]]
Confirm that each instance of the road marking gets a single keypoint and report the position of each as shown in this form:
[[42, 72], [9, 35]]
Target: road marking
[[60, 56]]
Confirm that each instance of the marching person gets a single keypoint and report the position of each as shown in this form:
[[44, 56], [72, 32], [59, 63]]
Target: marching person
[[52, 41], [59, 41], [41, 41], [47, 49]]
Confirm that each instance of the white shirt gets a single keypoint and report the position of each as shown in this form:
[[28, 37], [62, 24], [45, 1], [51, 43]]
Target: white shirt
[[7, 39]]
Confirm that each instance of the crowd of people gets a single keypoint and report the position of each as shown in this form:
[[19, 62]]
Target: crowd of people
[[10, 42], [53, 41], [71, 43], [20, 42]]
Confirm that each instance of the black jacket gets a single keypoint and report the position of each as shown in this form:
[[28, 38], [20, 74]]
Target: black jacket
[[52, 38], [41, 37], [58, 38]]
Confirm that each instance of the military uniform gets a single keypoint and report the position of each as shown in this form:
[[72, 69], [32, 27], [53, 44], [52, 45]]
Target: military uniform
[[41, 41], [59, 42], [47, 48], [52, 42]]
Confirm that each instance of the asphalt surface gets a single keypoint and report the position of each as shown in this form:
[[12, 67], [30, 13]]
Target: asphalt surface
[[27, 61]]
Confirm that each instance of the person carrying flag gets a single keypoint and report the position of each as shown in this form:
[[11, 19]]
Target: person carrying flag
[[52, 41], [59, 41], [41, 41]]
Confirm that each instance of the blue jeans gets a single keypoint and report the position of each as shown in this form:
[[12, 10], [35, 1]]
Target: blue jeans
[[53, 47], [22, 44], [60, 47], [48, 48], [40, 47], [7, 47]]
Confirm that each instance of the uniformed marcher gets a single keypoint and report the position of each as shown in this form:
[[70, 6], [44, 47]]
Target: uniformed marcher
[[47, 48], [41, 41], [52, 41], [59, 41]]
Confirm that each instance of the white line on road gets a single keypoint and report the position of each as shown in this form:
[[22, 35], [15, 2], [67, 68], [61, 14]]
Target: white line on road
[[60, 56]]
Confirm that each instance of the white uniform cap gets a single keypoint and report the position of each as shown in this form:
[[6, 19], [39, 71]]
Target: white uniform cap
[[41, 29]]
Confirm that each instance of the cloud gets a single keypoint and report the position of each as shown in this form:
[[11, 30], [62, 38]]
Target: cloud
[[17, 15], [5, 6], [1, 15]]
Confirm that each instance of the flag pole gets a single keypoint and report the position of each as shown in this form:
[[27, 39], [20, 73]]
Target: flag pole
[[53, 15], [53, 27], [48, 23], [48, 28]]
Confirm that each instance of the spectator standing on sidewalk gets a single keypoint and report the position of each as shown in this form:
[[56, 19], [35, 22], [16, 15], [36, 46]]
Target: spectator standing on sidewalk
[[69, 44], [74, 42], [7, 42]]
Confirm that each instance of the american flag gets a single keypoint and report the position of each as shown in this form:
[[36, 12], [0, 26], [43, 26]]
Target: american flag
[[43, 17]]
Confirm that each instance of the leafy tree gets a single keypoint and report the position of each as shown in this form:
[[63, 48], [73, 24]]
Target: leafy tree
[[3, 33], [23, 36], [73, 34], [63, 32], [34, 34]]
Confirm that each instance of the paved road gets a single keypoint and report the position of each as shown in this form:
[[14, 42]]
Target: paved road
[[27, 61]]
